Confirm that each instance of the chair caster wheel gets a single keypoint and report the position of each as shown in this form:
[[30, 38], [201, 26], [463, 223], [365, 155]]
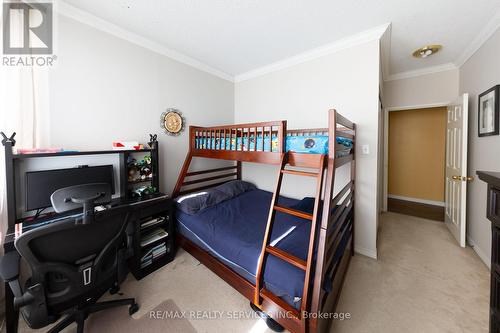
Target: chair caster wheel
[[133, 309], [114, 290]]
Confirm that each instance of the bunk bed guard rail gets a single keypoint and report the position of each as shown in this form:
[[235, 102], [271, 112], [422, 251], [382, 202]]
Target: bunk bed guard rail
[[254, 142]]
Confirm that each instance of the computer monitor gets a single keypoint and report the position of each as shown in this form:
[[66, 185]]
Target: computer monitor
[[41, 184]]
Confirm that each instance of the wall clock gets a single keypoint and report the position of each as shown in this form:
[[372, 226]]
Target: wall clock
[[172, 122]]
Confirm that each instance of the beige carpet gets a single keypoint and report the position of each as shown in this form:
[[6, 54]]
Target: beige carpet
[[196, 291], [166, 317], [422, 282]]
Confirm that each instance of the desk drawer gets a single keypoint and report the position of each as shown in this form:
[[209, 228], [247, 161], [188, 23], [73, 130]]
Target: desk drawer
[[155, 208]]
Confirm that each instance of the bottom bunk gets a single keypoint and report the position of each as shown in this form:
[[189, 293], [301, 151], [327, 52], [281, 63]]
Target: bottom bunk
[[227, 237]]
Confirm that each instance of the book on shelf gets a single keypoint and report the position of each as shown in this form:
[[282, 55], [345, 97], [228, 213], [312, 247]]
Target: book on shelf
[[39, 150], [152, 254], [154, 221], [153, 236], [154, 250], [146, 263]]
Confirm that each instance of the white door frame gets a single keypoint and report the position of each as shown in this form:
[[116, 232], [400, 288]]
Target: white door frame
[[386, 141]]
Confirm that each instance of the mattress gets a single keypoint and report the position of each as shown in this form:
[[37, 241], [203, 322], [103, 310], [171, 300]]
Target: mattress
[[311, 144], [233, 231]]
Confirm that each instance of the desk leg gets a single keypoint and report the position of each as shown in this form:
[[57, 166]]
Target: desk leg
[[11, 314]]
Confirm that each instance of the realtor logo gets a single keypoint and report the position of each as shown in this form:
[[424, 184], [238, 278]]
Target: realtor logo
[[27, 28]]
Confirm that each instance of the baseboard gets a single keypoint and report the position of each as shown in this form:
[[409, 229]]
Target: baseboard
[[411, 208], [479, 252], [366, 252], [424, 201]]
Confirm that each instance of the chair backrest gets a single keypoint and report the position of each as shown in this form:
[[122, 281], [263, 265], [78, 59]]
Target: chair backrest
[[75, 262]]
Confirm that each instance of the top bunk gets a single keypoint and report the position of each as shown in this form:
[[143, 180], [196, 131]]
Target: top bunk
[[264, 142]]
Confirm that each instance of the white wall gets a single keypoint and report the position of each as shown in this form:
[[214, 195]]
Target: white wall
[[105, 89], [478, 74], [348, 81], [430, 89]]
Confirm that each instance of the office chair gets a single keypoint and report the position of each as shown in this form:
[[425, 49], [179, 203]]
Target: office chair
[[73, 261]]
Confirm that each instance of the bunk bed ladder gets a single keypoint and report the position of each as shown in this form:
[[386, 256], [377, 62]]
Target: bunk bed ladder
[[305, 265]]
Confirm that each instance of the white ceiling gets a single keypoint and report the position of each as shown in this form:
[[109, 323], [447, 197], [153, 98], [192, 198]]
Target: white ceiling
[[238, 36]]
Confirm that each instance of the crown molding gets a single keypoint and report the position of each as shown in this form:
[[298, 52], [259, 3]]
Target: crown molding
[[87, 18], [344, 43], [423, 71], [485, 33], [417, 106]]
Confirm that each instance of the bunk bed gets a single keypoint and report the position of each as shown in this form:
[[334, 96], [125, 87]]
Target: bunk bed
[[288, 257]]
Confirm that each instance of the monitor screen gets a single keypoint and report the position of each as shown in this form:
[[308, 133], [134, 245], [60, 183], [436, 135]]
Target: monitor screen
[[41, 184]]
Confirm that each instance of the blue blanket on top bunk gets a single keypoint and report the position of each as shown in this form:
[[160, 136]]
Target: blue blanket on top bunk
[[311, 144], [233, 231]]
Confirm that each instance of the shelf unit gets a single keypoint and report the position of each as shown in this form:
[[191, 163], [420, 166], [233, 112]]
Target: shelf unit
[[165, 211], [11, 161], [76, 153], [125, 184], [146, 207]]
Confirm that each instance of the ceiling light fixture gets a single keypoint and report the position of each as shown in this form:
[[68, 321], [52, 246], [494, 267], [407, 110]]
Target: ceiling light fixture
[[426, 51]]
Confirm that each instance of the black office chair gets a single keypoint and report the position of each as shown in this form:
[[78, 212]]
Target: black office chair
[[73, 261]]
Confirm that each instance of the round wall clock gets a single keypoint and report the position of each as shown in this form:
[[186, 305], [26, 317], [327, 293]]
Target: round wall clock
[[172, 122]]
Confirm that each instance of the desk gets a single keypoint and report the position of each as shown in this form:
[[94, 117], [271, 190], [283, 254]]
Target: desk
[[142, 209]]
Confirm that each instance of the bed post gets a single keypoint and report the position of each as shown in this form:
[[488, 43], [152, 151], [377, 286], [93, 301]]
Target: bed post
[[238, 170], [187, 162], [320, 258], [282, 137], [353, 179]]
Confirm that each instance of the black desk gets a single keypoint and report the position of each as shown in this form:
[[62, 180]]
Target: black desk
[[142, 209]]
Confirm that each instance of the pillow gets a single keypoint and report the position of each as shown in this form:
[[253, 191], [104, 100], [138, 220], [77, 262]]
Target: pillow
[[234, 188], [194, 202]]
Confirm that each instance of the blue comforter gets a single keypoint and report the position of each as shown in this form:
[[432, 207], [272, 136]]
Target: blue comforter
[[233, 232]]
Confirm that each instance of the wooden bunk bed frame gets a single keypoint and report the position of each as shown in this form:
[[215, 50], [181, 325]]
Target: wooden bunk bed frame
[[333, 225]]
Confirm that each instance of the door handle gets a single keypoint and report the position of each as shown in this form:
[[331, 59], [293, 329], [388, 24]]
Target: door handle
[[456, 177]]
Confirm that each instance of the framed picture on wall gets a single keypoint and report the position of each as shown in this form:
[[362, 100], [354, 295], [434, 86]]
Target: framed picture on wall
[[488, 112]]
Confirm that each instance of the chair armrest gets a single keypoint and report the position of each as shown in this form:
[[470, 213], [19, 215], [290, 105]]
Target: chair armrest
[[9, 266], [9, 272]]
